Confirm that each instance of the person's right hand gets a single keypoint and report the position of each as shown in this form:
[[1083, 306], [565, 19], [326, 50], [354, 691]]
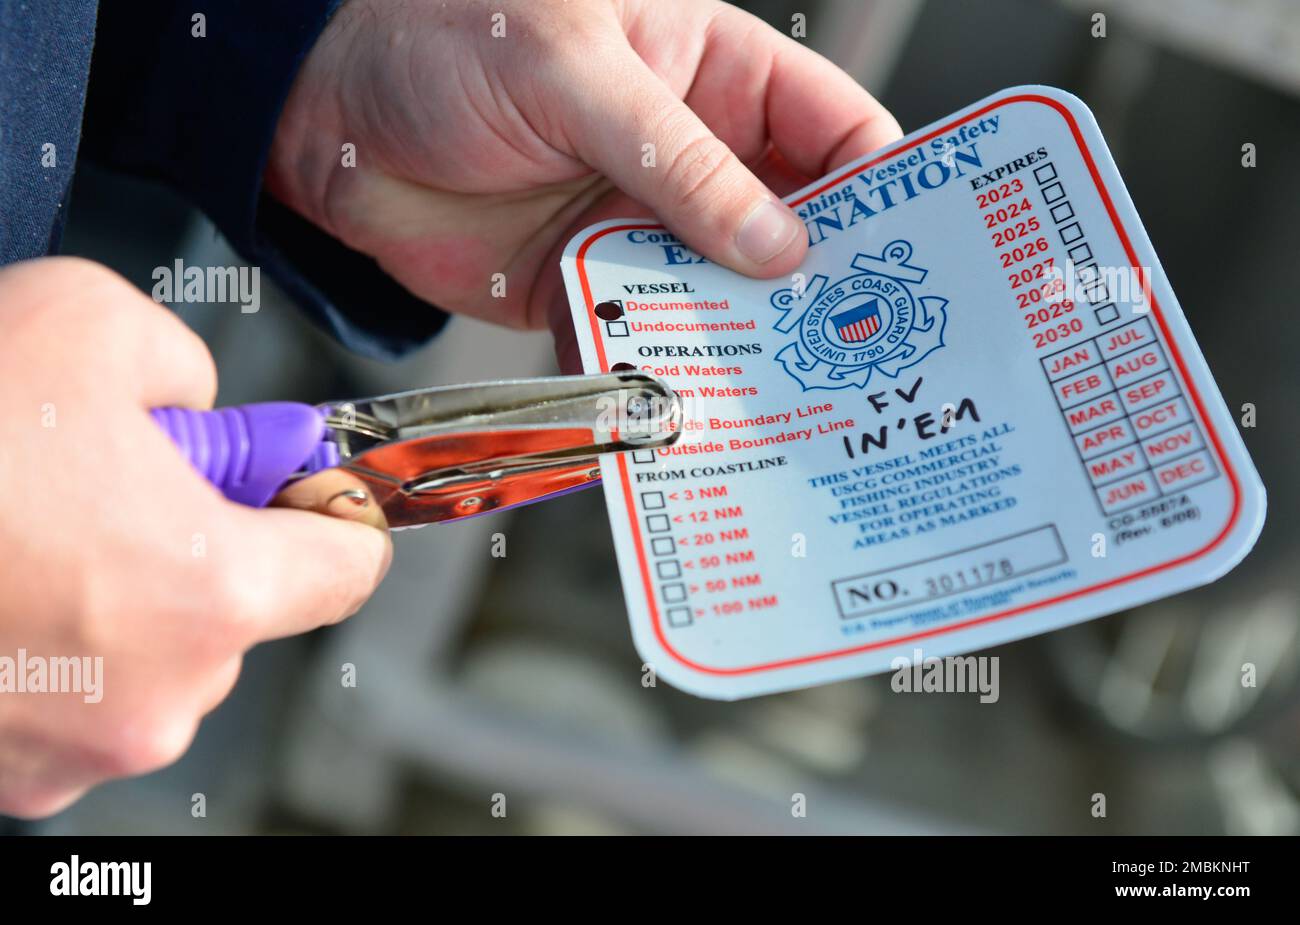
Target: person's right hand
[[114, 547], [486, 135]]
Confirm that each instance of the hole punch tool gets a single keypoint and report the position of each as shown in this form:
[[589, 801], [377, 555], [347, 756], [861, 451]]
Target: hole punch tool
[[438, 454]]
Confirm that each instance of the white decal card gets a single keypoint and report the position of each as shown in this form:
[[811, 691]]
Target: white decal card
[[976, 414]]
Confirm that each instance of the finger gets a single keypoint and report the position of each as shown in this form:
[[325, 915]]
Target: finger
[[154, 355], [819, 116], [754, 85], [307, 570], [173, 366], [335, 493], [39, 776], [629, 125], [219, 684], [38, 798]]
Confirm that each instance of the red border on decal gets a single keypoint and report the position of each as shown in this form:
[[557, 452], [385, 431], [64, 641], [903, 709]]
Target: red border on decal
[[966, 624]]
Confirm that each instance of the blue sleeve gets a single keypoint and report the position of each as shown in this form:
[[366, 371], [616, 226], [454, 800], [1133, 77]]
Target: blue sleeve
[[199, 113]]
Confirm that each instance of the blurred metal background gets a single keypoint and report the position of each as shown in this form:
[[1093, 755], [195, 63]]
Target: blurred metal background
[[479, 676]]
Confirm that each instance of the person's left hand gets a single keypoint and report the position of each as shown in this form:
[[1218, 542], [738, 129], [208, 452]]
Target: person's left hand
[[478, 153]]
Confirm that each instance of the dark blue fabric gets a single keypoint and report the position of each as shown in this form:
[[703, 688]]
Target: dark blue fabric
[[198, 113], [44, 56]]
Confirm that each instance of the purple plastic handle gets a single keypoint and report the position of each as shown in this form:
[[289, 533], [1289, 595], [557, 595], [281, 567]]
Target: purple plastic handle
[[247, 451]]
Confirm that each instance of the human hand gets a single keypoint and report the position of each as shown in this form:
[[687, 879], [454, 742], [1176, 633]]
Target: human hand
[[116, 549], [479, 153]]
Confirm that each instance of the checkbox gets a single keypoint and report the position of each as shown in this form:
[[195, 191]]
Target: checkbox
[[674, 594], [1062, 212], [643, 456], [1045, 173], [663, 546], [1087, 274], [616, 328], [1098, 293], [668, 568], [1053, 193], [1081, 253], [653, 500], [1107, 313], [1071, 233], [657, 523], [679, 616]]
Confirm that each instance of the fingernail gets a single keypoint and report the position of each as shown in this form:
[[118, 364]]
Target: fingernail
[[766, 231], [346, 503]]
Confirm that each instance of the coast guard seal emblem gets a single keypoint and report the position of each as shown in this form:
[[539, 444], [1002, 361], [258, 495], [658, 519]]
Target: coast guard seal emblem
[[866, 323]]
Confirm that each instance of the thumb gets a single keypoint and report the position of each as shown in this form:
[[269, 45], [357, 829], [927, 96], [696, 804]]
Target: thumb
[[629, 125], [312, 570], [335, 492]]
